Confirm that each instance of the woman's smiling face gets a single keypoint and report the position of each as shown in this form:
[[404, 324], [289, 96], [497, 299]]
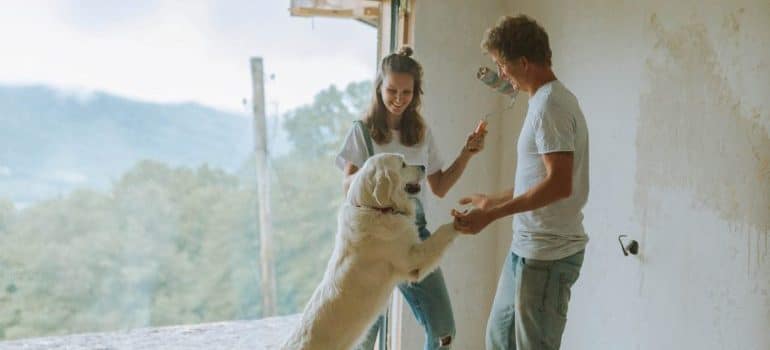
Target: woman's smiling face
[[397, 91]]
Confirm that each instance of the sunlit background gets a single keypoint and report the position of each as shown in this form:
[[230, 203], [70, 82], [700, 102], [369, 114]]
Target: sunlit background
[[127, 177]]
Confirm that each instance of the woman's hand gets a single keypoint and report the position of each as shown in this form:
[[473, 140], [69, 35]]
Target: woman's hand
[[475, 142], [478, 200]]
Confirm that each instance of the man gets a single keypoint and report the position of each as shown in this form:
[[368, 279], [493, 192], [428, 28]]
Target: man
[[550, 190]]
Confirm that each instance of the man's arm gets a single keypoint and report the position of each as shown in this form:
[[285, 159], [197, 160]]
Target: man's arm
[[485, 201], [556, 185]]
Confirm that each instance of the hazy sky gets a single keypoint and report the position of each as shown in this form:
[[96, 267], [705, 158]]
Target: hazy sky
[[174, 51]]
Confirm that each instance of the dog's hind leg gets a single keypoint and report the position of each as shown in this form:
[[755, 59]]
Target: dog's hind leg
[[424, 257]]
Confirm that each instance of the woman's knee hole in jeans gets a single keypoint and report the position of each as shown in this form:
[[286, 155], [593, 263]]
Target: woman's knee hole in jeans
[[445, 341]]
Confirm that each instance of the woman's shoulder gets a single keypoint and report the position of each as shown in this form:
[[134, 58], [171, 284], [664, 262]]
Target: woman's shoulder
[[355, 133], [357, 126]]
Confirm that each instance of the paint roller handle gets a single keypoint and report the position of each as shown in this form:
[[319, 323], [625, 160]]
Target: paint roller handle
[[475, 142], [480, 127]]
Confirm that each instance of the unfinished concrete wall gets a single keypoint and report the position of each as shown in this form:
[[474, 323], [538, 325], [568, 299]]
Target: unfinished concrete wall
[[676, 98]]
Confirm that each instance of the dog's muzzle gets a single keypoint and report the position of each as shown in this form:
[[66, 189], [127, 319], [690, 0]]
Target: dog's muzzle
[[412, 188]]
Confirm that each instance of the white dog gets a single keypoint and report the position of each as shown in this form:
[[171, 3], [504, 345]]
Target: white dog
[[377, 246]]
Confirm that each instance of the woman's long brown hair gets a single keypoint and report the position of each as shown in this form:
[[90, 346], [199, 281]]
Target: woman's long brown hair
[[412, 127]]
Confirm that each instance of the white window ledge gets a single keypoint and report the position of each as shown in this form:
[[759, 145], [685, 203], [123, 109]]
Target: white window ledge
[[261, 334]]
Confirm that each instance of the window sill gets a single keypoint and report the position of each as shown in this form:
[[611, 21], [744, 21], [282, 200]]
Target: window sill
[[254, 335]]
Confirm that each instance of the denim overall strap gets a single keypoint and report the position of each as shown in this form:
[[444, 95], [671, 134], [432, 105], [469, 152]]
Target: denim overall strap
[[367, 138], [419, 215]]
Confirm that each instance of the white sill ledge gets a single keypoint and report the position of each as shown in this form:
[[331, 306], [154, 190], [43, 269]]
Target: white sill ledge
[[264, 334]]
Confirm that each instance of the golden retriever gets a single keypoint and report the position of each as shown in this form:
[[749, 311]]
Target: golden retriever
[[376, 247]]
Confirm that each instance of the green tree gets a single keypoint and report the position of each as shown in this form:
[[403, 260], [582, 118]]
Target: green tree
[[316, 130], [175, 245], [167, 246], [307, 190]]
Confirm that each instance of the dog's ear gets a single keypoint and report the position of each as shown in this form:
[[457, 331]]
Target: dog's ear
[[385, 183]]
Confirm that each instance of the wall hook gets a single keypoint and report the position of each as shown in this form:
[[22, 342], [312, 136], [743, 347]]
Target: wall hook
[[632, 247]]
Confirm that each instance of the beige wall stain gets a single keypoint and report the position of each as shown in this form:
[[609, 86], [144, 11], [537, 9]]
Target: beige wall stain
[[732, 20], [692, 134]]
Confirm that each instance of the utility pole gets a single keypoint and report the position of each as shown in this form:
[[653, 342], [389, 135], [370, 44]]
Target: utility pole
[[267, 275]]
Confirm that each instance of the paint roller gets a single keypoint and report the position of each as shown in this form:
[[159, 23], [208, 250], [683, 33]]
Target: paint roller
[[490, 78]]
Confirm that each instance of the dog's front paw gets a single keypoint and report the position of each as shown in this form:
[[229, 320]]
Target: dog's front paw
[[448, 228]]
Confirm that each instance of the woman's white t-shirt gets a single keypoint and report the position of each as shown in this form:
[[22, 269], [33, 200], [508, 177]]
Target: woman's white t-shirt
[[424, 153]]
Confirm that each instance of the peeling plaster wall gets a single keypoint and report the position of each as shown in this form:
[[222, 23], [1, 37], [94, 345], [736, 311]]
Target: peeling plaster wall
[[676, 97]]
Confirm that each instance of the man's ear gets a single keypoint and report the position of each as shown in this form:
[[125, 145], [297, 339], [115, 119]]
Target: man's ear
[[524, 63]]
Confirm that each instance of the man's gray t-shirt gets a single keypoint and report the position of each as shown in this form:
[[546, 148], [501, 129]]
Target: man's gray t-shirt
[[554, 123]]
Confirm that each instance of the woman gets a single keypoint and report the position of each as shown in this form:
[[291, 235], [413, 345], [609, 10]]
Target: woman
[[395, 125]]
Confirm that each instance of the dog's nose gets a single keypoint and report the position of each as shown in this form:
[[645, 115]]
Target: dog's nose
[[422, 168]]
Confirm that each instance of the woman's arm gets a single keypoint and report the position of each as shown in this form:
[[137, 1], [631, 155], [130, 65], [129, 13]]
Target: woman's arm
[[441, 181], [349, 170]]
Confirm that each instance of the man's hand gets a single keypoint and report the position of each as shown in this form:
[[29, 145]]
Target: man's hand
[[478, 200], [471, 222]]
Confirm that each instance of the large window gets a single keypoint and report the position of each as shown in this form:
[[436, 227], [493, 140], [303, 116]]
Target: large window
[[128, 184]]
